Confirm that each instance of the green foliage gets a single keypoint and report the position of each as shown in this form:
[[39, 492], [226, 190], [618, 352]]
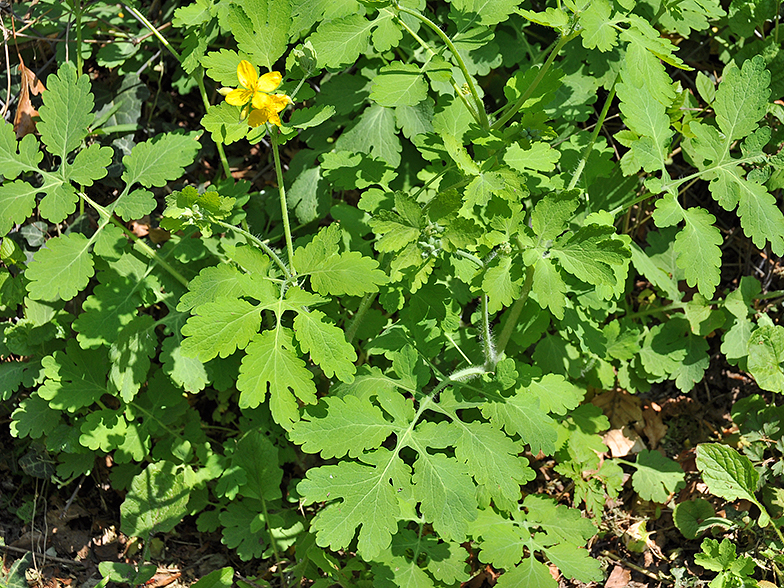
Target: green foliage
[[720, 557], [367, 390]]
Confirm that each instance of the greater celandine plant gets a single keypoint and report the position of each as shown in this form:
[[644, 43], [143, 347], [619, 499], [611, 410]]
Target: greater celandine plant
[[462, 274]]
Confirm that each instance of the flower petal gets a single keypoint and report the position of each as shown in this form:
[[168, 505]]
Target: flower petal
[[278, 102], [261, 100], [258, 117], [273, 118], [247, 75], [239, 97], [269, 82]]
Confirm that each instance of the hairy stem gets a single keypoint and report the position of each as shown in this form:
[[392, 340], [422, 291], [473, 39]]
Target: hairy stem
[[487, 338]]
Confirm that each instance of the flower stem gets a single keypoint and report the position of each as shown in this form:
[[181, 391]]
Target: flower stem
[[199, 75], [283, 208], [480, 107], [563, 40], [79, 63]]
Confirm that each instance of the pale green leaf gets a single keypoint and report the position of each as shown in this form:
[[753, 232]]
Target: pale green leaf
[[326, 344], [261, 29], [443, 485], [598, 31], [272, 363], [224, 123], [220, 328], [766, 357], [540, 156], [159, 160], [341, 41], [399, 84], [347, 418], [66, 112], [367, 500], [12, 162], [89, 164], [17, 201], [61, 269], [530, 573], [656, 477], [156, 502]]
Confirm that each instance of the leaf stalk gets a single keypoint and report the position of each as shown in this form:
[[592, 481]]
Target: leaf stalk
[[480, 107]]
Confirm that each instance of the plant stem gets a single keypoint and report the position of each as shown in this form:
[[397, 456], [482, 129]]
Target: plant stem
[[143, 19], [513, 314], [487, 337], [432, 53], [198, 74], [273, 543], [284, 211], [364, 306], [149, 251], [251, 237], [470, 256], [542, 71], [592, 140], [480, 107], [78, 10]]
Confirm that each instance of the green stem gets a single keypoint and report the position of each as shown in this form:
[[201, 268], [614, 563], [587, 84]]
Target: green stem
[[146, 249], [199, 75], [78, 10], [592, 140], [284, 211], [426, 47], [274, 544], [513, 314], [143, 19], [364, 306], [505, 118], [480, 107], [470, 256], [487, 338], [253, 238]]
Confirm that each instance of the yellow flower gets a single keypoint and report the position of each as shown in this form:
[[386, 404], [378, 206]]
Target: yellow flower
[[258, 92]]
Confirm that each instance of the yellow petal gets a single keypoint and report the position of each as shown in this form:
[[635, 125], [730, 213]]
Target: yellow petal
[[261, 100], [239, 97], [273, 118], [247, 75], [269, 82], [258, 117], [278, 102]]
